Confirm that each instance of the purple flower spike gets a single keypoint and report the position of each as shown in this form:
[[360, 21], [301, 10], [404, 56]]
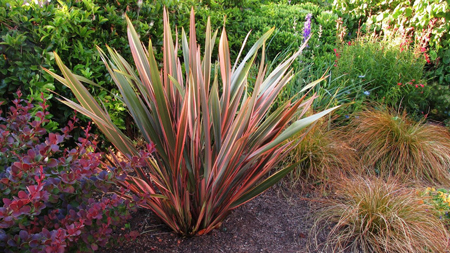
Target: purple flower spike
[[307, 28]]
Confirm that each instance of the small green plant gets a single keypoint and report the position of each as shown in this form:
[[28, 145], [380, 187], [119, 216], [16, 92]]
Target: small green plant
[[440, 199], [390, 143], [439, 100], [214, 144], [375, 216]]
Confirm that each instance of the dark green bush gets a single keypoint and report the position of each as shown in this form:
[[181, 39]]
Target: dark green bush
[[289, 21], [439, 98], [322, 3], [259, 18], [31, 33]]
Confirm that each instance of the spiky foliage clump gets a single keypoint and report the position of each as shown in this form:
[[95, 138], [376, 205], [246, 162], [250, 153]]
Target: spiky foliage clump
[[375, 216], [322, 156], [214, 143], [391, 144]]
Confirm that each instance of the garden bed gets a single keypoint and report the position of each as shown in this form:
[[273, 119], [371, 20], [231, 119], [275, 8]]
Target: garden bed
[[276, 221]]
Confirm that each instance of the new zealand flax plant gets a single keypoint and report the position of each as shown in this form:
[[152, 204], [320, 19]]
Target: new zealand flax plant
[[215, 143]]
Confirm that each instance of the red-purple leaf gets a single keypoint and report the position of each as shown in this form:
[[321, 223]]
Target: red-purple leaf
[[52, 162]]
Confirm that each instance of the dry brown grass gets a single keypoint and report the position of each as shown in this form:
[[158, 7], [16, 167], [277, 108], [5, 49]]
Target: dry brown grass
[[374, 216], [390, 144], [323, 156]]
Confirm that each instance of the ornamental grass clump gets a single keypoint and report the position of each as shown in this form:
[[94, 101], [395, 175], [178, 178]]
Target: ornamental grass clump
[[214, 143], [375, 216], [322, 156], [390, 144]]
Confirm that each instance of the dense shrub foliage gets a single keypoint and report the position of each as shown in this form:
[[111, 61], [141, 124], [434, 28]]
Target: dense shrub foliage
[[30, 33], [428, 26], [53, 198], [290, 21], [293, 23], [391, 68]]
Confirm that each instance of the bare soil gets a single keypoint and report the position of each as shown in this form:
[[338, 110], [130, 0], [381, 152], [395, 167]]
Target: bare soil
[[276, 221]]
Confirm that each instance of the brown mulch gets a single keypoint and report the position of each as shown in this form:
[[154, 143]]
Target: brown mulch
[[272, 222]]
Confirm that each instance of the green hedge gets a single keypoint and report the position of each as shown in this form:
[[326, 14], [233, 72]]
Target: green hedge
[[31, 33]]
